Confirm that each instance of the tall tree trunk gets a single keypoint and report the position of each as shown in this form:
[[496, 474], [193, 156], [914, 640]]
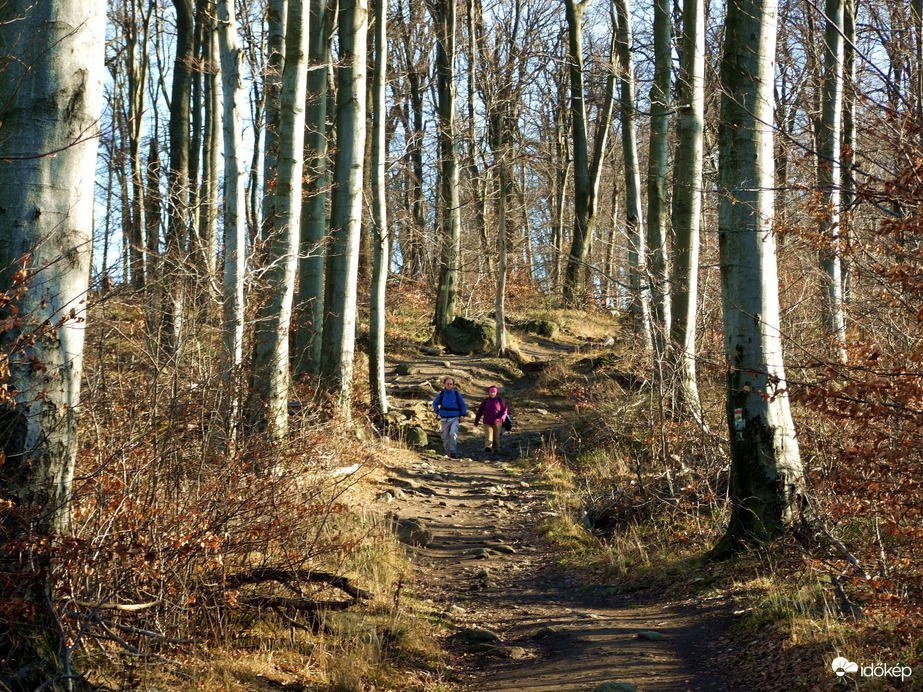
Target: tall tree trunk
[[377, 316], [829, 179], [687, 202], [51, 96], [153, 204], [309, 325], [235, 200], [637, 253], [475, 25], [444, 15], [562, 161], [916, 17], [198, 136], [208, 225], [137, 39], [276, 12], [586, 171], [766, 472], [346, 206], [612, 289], [175, 259], [657, 208], [503, 198], [848, 180], [274, 316]]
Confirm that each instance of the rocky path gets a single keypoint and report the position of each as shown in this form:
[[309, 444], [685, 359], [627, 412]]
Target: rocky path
[[522, 623]]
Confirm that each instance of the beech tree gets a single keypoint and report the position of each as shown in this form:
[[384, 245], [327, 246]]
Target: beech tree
[[687, 201], [657, 207], [586, 170], [51, 96], [340, 295], [235, 200], [444, 17], [309, 323], [271, 338], [829, 176], [766, 472], [379, 215], [634, 222], [175, 260]]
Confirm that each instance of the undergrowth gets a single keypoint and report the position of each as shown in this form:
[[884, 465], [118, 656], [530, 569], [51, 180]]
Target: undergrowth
[[193, 564], [640, 496]]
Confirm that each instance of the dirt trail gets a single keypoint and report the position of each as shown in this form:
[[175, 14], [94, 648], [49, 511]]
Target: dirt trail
[[487, 568]]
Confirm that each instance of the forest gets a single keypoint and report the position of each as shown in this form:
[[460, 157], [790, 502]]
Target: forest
[[243, 242]]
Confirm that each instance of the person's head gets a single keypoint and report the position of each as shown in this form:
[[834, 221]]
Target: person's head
[[492, 392], [448, 383]]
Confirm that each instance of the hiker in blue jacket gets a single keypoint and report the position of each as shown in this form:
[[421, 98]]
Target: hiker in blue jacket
[[450, 405]]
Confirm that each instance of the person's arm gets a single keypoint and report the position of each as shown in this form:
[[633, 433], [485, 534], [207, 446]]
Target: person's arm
[[504, 409], [463, 406], [477, 416], [436, 402]]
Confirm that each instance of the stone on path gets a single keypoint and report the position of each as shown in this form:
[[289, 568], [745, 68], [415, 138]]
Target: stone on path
[[475, 634], [616, 687], [464, 336], [417, 437], [413, 532], [545, 328], [651, 636]]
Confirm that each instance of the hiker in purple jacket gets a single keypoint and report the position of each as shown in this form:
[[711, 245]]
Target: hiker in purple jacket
[[494, 410]]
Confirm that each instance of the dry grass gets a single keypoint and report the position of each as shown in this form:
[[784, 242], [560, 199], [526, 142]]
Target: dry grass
[[640, 499], [165, 516]]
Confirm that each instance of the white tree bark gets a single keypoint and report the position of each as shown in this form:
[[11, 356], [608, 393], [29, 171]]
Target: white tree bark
[[312, 255], [687, 202], [380, 256], [828, 177], [766, 471], [657, 206], [51, 59], [586, 171], [449, 207], [637, 252], [51, 96], [346, 206], [235, 193], [276, 13], [270, 353], [209, 201]]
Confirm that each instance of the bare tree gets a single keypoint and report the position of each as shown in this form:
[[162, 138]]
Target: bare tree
[[51, 96], [766, 471], [829, 176], [379, 216], [309, 311], [346, 206], [235, 200], [586, 170], [657, 207], [687, 201], [637, 252], [444, 17], [270, 350], [175, 259]]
